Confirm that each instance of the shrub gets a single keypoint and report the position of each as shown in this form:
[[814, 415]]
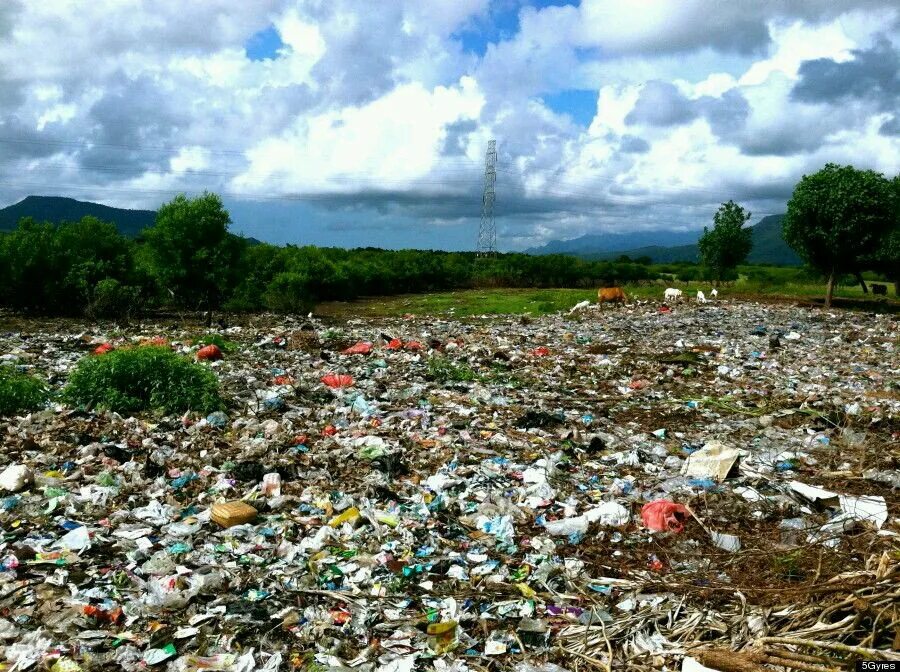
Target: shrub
[[218, 340], [442, 370], [289, 293], [20, 392], [143, 378], [113, 299]]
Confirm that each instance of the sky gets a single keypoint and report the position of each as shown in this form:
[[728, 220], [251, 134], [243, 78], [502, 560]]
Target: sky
[[353, 123]]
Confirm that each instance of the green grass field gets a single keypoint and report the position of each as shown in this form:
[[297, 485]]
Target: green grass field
[[504, 301]]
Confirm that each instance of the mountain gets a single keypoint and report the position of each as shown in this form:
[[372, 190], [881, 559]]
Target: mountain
[[768, 247], [57, 209], [593, 243]]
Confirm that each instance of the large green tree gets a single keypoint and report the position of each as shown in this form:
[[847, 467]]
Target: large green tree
[[728, 243], [837, 217], [886, 257], [193, 256], [57, 269]]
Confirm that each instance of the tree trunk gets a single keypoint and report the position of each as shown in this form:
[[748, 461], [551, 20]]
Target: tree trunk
[[829, 292], [862, 283]]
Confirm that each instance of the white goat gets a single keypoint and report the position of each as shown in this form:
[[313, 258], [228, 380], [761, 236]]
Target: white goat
[[672, 294], [581, 305], [714, 293], [701, 297]]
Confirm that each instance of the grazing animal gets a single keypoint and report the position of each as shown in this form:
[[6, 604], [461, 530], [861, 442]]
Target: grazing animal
[[581, 305], [879, 290], [672, 294], [610, 295], [701, 297], [714, 293]]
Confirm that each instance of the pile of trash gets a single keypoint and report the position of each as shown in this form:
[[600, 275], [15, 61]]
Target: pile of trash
[[711, 487]]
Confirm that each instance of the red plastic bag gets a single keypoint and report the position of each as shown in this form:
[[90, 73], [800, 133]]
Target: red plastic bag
[[395, 344], [664, 516], [210, 352], [541, 351], [413, 345], [361, 348], [103, 348], [335, 380]]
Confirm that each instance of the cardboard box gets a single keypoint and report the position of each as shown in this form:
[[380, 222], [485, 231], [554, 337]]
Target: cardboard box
[[228, 514]]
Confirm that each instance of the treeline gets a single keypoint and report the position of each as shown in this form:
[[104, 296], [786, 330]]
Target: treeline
[[189, 260], [840, 221]]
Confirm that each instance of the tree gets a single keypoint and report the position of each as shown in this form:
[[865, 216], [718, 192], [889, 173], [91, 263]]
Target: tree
[[837, 217], [193, 256], [56, 269], [886, 257], [728, 243], [90, 252]]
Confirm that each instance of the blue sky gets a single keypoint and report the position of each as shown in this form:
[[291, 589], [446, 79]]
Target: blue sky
[[346, 123], [264, 44]]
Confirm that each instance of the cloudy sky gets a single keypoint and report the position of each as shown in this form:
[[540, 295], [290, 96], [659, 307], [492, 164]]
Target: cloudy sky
[[351, 122]]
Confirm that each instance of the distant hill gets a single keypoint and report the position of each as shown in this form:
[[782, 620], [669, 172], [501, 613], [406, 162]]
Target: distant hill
[[594, 243], [57, 209], [768, 247]]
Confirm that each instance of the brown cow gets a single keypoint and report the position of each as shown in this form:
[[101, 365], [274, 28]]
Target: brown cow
[[610, 295]]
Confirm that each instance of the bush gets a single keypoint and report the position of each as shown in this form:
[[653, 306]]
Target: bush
[[143, 378], [217, 340], [441, 369], [289, 293], [20, 392], [113, 299]]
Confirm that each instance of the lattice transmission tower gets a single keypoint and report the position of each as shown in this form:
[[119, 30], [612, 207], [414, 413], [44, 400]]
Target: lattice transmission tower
[[487, 231]]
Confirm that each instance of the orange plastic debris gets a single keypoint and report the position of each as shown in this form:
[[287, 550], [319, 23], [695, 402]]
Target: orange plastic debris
[[361, 348], [103, 348], [335, 380], [210, 352], [663, 515]]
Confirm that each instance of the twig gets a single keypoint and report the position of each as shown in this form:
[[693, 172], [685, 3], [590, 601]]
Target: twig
[[833, 646], [592, 661]]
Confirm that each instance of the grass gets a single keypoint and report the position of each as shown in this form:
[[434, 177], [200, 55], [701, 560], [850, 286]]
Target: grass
[[20, 392], [505, 301], [442, 370], [217, 340], [138, 379], [464, 303]]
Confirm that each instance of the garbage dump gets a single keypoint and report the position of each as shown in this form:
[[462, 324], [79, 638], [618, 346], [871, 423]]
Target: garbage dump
[[710, 487]]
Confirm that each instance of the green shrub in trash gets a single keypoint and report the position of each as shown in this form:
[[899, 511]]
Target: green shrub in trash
[[787, 566], [218, 340], [442, 370], [143, 378], [20, 392]]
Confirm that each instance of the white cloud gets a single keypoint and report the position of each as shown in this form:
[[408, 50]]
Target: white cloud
[[131, 100], [392, 140]]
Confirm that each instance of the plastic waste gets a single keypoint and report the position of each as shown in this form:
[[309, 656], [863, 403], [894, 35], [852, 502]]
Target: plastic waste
[[16, 477], [714, 460], [338, 380], [209, 353], [663, 515], [361, 348]]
